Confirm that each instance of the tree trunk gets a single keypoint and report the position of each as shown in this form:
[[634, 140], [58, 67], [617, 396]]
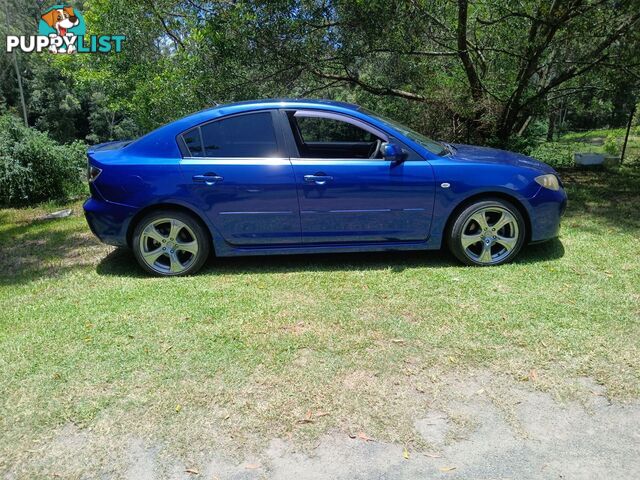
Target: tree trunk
[[551, 129], [17, 69]]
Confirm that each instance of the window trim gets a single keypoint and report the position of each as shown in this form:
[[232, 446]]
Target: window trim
[[280, 143]]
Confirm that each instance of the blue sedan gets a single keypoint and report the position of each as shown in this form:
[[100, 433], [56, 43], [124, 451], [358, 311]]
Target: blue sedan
[[306, 176]]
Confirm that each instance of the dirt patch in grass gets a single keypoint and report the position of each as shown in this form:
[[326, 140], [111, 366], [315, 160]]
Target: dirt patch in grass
[[469, 425]]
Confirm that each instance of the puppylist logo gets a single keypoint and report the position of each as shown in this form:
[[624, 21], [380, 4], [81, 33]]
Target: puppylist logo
[[62, 30]]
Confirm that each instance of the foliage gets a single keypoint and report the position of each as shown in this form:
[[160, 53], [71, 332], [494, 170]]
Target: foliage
[[34, 168], [465, 71], [556, 154]]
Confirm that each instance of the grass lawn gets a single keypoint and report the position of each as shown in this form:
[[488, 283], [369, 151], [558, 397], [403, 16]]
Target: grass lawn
[[93, 351]]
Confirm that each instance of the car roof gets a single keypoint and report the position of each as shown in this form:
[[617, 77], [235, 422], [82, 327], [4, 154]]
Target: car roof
[[284, 103]]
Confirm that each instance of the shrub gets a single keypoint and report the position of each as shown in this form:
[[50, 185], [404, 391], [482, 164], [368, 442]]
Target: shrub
[[556, 154], [34, 168], [611, 144]]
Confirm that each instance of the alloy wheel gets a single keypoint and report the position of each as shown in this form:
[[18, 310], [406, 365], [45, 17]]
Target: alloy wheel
[[489, 235], [168, 246]]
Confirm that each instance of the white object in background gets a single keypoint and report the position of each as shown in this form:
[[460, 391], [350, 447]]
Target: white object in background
[[588, 158]]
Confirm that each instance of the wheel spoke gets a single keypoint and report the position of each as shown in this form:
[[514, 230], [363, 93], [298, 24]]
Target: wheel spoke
[[468, 240], [191, 247], [506, 242], [176, 266], [505, 219], [485, 256], [176, 226], [153, 255], [153, 233], [481, 219]]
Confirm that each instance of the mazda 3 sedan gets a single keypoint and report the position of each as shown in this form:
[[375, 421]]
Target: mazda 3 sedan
[[305, 176]]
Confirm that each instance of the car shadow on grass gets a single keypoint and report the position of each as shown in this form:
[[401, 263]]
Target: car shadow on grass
[[121, 262]]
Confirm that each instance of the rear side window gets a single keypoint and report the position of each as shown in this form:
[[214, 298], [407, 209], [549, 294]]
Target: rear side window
[[193, 141], [250, 135]]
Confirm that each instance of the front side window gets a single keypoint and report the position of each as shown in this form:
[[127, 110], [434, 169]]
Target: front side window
[[241, 136], [331, 137], [318, 129]]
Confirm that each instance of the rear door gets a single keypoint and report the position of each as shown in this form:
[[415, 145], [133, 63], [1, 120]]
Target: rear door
[[235, 171], [347, 192]]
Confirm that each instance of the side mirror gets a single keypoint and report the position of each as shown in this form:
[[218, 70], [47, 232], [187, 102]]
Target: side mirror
[[392, 152]]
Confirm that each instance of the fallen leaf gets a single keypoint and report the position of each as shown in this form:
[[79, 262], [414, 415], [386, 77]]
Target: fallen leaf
[[178, 407], [432, 455], [193, 471], [307, 418], [405, 453], [252, 466], [447, 469], [363, 436]]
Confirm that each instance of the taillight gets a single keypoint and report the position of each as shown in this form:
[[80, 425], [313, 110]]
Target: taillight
[[93, 173]]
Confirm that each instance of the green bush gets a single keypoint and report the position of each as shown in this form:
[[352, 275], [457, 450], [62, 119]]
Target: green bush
[[611, 144], [556, 154], [34, 168]]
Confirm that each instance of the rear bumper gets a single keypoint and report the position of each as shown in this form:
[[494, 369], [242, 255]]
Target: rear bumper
[[547, 208], [108, 221]]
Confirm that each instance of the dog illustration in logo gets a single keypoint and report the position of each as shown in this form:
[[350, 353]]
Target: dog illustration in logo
[[61, 20]]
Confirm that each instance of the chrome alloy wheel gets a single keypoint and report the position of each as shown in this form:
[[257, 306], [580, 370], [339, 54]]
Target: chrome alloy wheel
[[489, 235], [168, 246]]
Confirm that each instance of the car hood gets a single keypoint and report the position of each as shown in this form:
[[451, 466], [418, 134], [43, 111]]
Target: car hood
[[471, 153]]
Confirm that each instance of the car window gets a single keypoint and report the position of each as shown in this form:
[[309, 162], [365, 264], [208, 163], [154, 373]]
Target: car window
[[193, 141], [318, 129], [250, 135]]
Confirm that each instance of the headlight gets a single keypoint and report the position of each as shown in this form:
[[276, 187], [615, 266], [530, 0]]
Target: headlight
[[549, 181]]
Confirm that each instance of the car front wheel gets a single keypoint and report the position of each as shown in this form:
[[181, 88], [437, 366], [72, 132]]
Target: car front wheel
[[170, 243], [489, 232]]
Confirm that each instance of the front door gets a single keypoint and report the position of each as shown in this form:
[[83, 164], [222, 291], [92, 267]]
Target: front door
[[236, 172], [347, 192]]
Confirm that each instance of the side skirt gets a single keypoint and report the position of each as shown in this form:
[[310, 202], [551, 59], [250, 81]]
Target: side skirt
[[231, 251]]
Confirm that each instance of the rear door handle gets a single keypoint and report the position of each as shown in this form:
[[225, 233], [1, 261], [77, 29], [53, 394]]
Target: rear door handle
[[318, 179], [208, 178]]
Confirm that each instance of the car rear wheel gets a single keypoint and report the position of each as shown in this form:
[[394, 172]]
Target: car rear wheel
[[488, 232], [170, 243]]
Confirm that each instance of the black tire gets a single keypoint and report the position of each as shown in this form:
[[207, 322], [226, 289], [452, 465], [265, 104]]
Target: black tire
[[503, 245], [159, 224]]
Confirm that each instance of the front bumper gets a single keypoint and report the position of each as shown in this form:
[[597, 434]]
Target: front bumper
[[547, 209], [108, 221]]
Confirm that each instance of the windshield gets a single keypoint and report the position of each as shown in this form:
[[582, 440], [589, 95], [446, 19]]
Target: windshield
[[431, 145]]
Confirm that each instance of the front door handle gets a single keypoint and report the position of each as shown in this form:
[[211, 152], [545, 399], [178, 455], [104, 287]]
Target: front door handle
[[318, 178], [208, 178]]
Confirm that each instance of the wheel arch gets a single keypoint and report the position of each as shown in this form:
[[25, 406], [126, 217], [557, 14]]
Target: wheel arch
[[516, 202], [166, 206]]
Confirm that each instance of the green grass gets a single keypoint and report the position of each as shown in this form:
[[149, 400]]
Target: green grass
[[239, 353]]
